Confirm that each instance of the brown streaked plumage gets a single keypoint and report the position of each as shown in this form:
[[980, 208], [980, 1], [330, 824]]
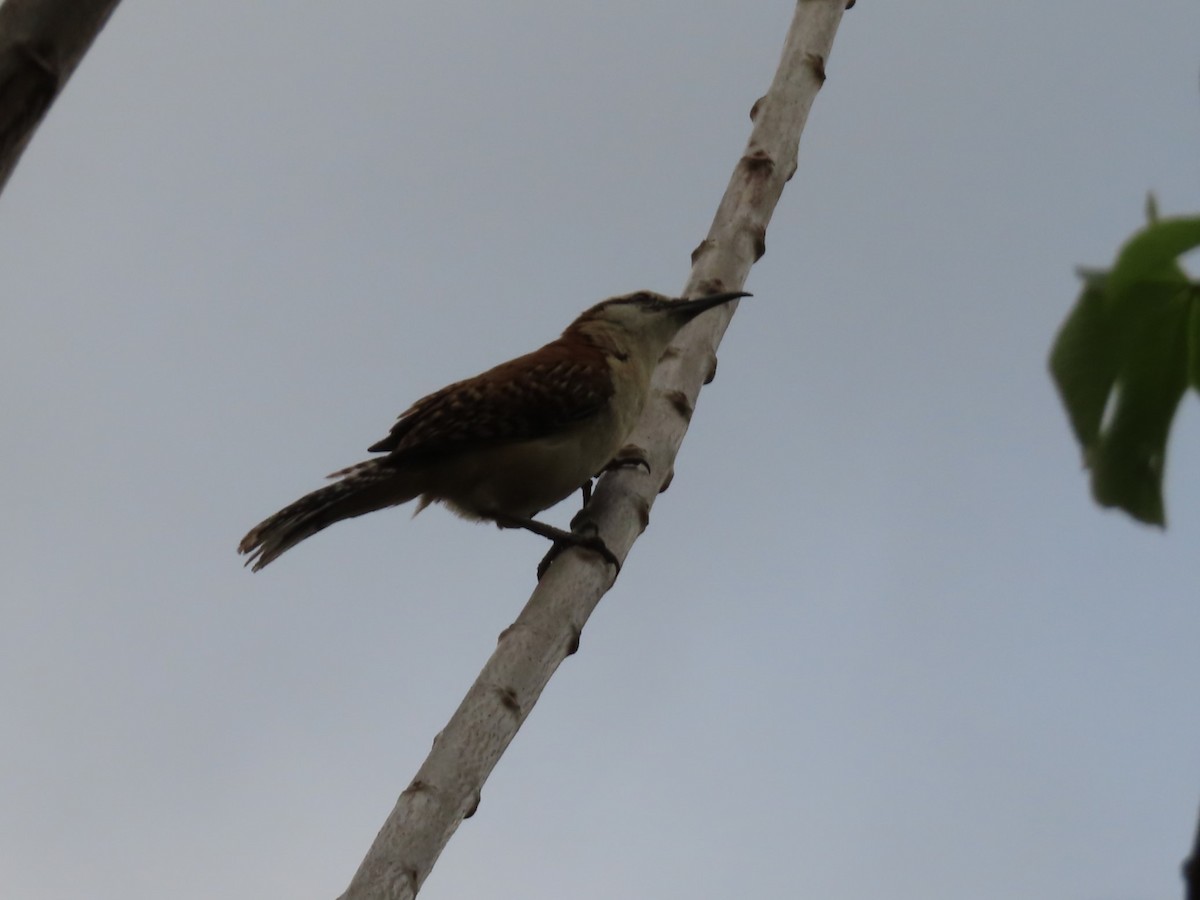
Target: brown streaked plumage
[[532, 395]]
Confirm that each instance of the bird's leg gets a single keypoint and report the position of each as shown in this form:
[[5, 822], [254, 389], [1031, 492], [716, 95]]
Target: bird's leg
[[557, 547], [628, 456], [562, 539]]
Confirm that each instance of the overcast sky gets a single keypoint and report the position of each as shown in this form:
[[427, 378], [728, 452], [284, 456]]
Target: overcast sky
[[877, 638]]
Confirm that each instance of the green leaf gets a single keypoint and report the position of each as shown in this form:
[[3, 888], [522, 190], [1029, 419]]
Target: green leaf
[[1151, 255], [1129, 459], [1084, 363], [1123, 360]]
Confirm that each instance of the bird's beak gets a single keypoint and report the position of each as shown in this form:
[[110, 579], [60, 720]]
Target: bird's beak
[[693, 308]]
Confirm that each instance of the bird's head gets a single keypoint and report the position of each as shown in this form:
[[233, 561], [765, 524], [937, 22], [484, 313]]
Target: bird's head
[[645, 322]]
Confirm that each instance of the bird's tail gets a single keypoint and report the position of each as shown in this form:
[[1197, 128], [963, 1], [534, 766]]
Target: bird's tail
[[362, 488]]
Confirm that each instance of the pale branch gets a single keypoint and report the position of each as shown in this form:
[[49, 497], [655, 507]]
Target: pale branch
[[447, 787], [41, 43]]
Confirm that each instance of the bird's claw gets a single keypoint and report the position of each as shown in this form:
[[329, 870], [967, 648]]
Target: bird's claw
[[628, 457], [591, 542]]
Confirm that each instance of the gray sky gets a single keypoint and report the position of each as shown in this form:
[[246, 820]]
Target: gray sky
[[877, 637]]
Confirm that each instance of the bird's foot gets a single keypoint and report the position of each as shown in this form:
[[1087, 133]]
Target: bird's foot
[[591, 542], [561, 539], [628, 457]]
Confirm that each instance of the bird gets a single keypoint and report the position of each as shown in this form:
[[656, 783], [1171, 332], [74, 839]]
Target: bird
[[512, 441]]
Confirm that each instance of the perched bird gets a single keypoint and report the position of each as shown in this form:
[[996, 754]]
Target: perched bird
[[512, 441]]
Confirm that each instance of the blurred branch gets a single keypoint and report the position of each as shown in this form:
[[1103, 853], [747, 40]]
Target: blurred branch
[[1191, 869], [41, 43]]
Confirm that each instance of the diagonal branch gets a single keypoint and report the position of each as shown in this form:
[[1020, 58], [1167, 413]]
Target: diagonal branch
[[447, 787], [41, 43]]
